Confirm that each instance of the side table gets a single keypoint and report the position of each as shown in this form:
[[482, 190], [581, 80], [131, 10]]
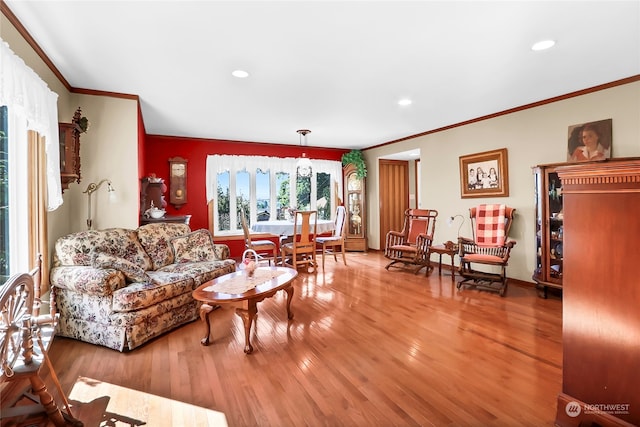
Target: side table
[[449, 248]]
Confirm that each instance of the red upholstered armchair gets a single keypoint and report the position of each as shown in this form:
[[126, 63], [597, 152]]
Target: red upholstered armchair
[[489, 247], [412, 245]]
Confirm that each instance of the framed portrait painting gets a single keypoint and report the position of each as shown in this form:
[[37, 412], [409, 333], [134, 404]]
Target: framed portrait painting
[[484, 174], [590, 141]]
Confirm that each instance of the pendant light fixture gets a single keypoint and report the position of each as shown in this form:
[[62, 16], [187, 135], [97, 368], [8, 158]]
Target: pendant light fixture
[[303, 165]]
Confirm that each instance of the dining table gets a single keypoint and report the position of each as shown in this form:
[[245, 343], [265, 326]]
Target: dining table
[[284, 227]]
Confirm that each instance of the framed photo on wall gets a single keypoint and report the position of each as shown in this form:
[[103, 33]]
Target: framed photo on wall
[[484, 174], [590, 141]]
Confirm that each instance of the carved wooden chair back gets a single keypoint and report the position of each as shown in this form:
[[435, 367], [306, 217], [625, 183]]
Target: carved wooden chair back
[[303, 247]]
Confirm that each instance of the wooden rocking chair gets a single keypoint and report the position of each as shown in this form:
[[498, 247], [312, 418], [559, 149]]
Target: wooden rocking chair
[[412, 245]]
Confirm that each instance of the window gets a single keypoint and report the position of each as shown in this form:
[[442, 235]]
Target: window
[[323, 193], [29, 166], [264, 187]]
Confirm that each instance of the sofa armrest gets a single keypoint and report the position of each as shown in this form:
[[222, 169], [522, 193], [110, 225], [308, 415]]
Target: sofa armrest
[[222, 251], [87, 280]]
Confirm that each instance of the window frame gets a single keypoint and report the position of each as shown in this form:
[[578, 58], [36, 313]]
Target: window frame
[[273, 165]]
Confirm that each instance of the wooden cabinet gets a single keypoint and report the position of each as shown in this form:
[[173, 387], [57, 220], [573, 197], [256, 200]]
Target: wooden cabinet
[[601, 297], [354, 201], [549, 228], [70, 150], [152, 194]]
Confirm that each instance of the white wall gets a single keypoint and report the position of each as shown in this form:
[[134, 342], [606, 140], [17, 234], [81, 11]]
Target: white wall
[[533, 136]]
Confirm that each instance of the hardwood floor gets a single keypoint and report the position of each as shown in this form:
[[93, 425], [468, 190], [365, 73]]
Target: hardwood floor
[[367, 347]]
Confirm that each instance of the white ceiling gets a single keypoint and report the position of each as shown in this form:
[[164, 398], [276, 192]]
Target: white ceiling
[[335, 67]]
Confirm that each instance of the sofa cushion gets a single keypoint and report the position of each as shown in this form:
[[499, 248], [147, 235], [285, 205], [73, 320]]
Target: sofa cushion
[[131, 271], [155, 238], [76, 248], [162, 287], [200, 272], [193, 247]]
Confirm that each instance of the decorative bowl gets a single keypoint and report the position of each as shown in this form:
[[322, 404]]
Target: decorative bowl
[[156, 213]]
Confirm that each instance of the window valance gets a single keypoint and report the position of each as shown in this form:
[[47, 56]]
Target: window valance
[[29, 100]]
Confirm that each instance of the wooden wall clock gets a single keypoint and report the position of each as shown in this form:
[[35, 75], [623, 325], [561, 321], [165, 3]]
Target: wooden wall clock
[[177, 181]]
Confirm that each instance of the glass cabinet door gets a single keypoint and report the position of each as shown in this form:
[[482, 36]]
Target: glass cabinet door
[[555, 229], [355, 205], [549, 228]]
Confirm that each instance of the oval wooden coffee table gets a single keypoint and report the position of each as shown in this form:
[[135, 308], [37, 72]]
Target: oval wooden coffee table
[[232, 289]]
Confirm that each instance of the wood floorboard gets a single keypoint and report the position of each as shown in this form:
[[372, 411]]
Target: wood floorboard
[[366, 347]]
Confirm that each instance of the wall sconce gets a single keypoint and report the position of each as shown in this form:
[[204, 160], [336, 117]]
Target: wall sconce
[[91, 188], [452, 219]]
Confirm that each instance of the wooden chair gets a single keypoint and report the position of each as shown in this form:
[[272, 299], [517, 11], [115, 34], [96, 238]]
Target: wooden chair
[[329, 244], [411, 246], [259, 246], [489, 247], [21, 324], [302, 250]]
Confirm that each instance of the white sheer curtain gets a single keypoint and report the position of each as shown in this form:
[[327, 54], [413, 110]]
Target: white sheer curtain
[[31, 105], [221, 163]]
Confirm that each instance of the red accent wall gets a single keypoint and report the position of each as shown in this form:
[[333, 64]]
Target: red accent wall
[[158, 149]]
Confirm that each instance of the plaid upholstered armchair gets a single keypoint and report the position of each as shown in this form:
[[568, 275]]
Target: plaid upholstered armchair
[[489, 248]]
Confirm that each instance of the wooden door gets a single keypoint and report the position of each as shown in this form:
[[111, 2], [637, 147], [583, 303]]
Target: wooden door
[[394, 196]]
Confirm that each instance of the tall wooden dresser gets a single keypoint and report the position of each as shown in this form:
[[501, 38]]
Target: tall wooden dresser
[[601, 294]]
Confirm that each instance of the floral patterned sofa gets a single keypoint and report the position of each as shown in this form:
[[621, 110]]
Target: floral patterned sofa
[[120, 288]]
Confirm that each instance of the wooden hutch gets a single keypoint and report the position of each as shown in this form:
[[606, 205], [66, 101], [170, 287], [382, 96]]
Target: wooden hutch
[[601, 296]]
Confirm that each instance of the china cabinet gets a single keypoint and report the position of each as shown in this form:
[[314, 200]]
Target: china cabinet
[[549, 227], [69, 144], [354, 200]]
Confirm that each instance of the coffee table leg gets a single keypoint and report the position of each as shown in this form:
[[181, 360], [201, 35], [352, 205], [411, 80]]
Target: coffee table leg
[[205, 311], [247, 315], [289, 292]]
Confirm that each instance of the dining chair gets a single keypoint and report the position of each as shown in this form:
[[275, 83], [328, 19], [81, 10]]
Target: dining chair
[[490, 247], [302, 250], [261, 247], [330, 243]]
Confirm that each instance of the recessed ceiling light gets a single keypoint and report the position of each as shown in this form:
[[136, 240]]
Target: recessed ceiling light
[[241, 74], [543, 45], [404, 102]]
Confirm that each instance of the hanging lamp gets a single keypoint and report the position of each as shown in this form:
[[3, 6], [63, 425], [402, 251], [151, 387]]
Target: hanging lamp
[[303, 165]]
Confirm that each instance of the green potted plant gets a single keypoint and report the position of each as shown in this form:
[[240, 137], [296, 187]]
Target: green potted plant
[[356, 158]]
